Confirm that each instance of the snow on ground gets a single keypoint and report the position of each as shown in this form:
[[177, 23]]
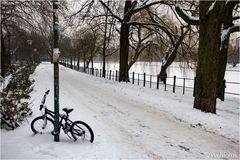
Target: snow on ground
[[129, 122]]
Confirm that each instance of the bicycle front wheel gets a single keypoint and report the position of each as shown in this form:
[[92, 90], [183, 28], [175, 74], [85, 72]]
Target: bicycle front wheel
[[81, 130], [39, 126]]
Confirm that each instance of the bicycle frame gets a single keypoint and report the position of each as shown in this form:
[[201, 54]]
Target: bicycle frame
[[52, 114]]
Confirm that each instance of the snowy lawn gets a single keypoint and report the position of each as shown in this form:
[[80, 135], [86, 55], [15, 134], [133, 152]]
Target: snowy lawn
[[129, 122]]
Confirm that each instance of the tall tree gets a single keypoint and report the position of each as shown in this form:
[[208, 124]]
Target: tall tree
[[23, 14], [130, 9], [216, 23]]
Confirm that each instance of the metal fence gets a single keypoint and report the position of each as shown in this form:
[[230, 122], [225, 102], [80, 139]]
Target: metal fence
[[174, 84]]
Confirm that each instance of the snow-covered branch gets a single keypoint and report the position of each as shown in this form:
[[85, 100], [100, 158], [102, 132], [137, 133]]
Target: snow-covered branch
[[211, 7], [225, 33], [185, 16], [235, 28]]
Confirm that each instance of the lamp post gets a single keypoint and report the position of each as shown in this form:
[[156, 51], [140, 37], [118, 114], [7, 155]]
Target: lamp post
[[55, 60], [29, 42], [35, 55]]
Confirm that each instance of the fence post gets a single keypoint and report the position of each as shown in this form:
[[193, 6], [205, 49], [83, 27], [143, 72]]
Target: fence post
[[174, 83], [165, 86], [100, 73], [183, 85], [194, 87], [116, 75], [133, 78], [144, 79], [221, 96], [110, 75], [138, 78], [158, 81], [106, 74], [150, 81]]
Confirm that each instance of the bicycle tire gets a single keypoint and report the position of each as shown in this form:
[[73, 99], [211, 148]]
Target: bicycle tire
[[82, 130], [49, 127]]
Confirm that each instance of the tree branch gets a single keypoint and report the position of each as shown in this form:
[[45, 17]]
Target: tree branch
[[184, 15], [169, 33], [83, 7], [236, 18], [110, 11], [146, 6], [235, 28]]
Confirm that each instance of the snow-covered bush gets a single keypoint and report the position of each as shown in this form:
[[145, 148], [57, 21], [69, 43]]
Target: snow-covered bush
[[14, 107]]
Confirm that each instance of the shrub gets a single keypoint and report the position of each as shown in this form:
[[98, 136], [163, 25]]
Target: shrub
[[14, 107]]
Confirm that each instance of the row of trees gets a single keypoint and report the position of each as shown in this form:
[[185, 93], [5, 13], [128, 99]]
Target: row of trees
[[195, 31], [26, 31]]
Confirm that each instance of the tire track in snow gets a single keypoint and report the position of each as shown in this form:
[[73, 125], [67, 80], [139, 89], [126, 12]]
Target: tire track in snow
[[119, 109], [118, 135]]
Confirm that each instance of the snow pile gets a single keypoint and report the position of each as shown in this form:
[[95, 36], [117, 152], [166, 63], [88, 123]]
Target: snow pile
[[129, 122]]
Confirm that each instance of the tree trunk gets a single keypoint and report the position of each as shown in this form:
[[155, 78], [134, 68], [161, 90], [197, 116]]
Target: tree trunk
[[170, 56], [104, 48], [92, 65], [226, 22], [71, 61], [163, 74], [211, 63], [84, 62], [124, 44], [3, 56], [8, 56], [78, 62], [124, 51]]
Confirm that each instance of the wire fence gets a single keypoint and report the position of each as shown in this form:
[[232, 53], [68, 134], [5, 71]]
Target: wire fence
[[174, 84]]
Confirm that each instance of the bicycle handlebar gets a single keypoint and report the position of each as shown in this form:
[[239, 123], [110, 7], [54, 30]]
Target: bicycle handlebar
[[44, 98], [41, 106]]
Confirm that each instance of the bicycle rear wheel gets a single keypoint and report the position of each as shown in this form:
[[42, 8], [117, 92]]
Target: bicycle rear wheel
[[38, 125], [81, 130]]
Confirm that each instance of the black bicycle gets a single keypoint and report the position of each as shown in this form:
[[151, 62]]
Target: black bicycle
[[45, 124]]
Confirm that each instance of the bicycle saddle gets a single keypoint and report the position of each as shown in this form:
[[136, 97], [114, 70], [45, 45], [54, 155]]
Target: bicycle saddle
[[67, 110]]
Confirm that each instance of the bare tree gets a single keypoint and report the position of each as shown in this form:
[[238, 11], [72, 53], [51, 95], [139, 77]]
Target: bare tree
[[130, 9], [22, 14]]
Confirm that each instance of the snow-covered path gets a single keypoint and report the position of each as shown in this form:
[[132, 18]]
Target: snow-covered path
[[128, 121]]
